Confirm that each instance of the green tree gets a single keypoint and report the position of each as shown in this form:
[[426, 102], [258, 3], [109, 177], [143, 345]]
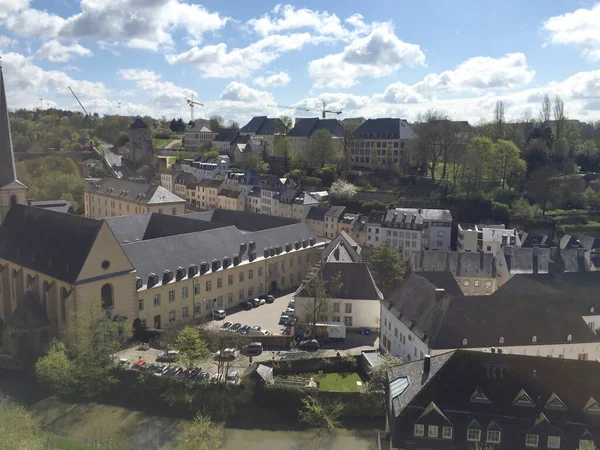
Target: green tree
[[589, 149], [320, 413], [320, 291], [321, 151], [250, 160], [282, 148], [523, 212], [478, 163], [201, 434], [542, 187], [387, 267], [190, 346], [592, 198], [286, 124], [216, 122], [507, 162], [56, 369], [378, 379], [18, 429]]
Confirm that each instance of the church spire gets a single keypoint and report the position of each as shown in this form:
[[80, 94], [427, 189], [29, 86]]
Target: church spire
[[8, 174]]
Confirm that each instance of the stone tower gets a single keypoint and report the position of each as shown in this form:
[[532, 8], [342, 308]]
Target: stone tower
[[140, 140], [12, 191]]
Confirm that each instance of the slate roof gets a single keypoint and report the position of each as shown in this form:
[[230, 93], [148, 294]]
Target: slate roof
[[162, 225], [230, 193], [443, 321], [442, 215], [307, 127], [46, 241], [137, 124], [500, 377], [537, 260], [29, 313], [157, 255], [316, 213], [129, 228], [529, 240], [385, 128], [62, 206], [590, 242], [185, 178], [356, 282], [243, 220], [262, 125], [459, 264], [342, 241], [335, 211], [8, 172], [259, 372], [226, 135], [133, 191], [376, 217], [206, 183]]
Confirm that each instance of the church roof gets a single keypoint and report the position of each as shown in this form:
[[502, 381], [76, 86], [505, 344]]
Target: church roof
[[8, 174]]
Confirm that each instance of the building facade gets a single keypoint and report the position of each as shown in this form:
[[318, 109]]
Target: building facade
[[485, 238], [207, 168], [230, 199]]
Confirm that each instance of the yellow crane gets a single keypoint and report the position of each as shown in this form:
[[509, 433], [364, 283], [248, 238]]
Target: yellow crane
[[324, 111], [191, 102]]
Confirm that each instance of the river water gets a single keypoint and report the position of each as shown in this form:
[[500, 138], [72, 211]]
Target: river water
[[339, 439]]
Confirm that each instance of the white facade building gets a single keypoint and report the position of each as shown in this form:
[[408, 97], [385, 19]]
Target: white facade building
[[486, 238]]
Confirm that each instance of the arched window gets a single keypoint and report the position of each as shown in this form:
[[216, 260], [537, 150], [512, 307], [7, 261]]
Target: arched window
[[63, 304], [45, 288], [174, 211], [569, 338], [534, 339], [160, 210], [13, 200], [465, 341], [107, 296], [501, 340]]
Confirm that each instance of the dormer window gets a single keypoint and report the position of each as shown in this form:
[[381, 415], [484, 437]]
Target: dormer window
[[592, 407], [419, 429], [479, 397], [592, 310], [554, 402], [447, 432], [532, 440], [473, 435], [464, 342], [501, 340], [493, 436], [534, 339], [569, 337], [522, 399], [432, 431]]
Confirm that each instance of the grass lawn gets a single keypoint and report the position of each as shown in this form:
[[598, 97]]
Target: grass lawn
[[338, 382], [160, 143]]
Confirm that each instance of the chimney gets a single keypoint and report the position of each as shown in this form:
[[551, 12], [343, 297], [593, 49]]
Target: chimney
[[192, 270], [180, 273], [236, 260], [242, 248], [426, 365], [267, 252], [439, 294], [152, 280], [203, 267], [167, 276]]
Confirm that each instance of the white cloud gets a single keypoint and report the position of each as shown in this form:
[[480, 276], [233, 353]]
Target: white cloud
[[378, 54], [240, 102], [580, 28], [479, 73], [278, 79], [10, 6], [6, 42], [56, 52], [141, 24], [215, 61]]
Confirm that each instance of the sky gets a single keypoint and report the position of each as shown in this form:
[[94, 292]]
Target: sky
[[240, 59]]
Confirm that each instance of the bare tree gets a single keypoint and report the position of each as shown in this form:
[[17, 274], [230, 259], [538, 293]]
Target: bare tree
[[430, 139], [217, 341], [559, 117], [499, 120], [320, 291], [546, 110], [349, 136]]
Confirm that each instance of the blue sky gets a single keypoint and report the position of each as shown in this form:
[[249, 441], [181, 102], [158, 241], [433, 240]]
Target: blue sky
[[386, 58]]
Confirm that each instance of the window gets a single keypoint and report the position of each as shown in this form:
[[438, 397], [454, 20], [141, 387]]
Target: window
[[465, 341], [488, 284], [196, 289], [171, 296], [171, 316], [250, 274], [493, 437], [419, 430], [241, 276], [174, 211], [396, 332], [348, 321], [477, 283], [260, 272], [592, 326], [432, 431], [585, 443], [219, 283], [336, 308], [106, 294], [230, 280], [466, 283], [348, 308], [196, 308], [184, 312], [141, 304], [447, 432], [291, 262], [241, 295], [534, 339], [582, 356], [553, 442], [531, 440], [156, 299], [473, 435], [501, 340], [230, 299], [250, 291], [208, 287], [291, 279], [184, 292]]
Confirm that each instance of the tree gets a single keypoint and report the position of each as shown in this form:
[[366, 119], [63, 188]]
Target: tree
[[545, 110], [234, 125], [320, 291], [322, 150], [559, 117], [282, 148], [429, 142], [19, 430], [217, 341], [587, 445], [201, 434], [387, 267], [541, 186], [478, 163], [507, 162], [320, 413], [56, 369], [499, 120], [349, 136], [378, 379], [190, 346], [285, 125], [342, 190], [523, 212], [216, 122], [250, 160]]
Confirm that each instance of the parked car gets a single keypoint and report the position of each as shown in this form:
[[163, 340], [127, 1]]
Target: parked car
[[309, 344], [244, 329], [226, 353], [269, 298], [235, 327], [233, 377], [256, 302], [253, 332], [168, 356], [248, 306], [283, 319], [138, 364], [290, 310], [226, 326], [202, 377], [262, 301], [219, 315], [292, 304], [253, 349], [255, 328]]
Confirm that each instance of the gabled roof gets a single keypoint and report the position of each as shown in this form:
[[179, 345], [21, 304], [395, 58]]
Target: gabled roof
[[353, 281], [385, 128], [130, 228], [246, 221], [335, 211], [229, 193], [262, 125], [46, 241], [459, 264], [342, 248], [137, 124], [8, 172], [185, 178], [133, 191], [306, 127], [226, 135], [208, 183], [537, 260], [316, 213]]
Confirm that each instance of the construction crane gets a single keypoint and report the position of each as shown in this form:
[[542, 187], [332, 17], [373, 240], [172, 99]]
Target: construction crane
[[323, 111], [191, 102], [87, 116]]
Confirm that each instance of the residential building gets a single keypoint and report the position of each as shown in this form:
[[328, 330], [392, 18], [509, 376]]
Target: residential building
[[225, 139], [140, 142], [253, 200], [181, 182], [347, 222], [269, 195], [463, 399], [374, 228], [359, 231], [342, 249], [437, 227], [206, 193], [265, 129], [332, 219], [353, 296], [117, 197], [486, 238], [167, 179], [315, 220], [403, 229], [382, 142], [428, 314], [231, 199], [300, 135], [200, 134], [207, 168], [475, 273], [302, 205]]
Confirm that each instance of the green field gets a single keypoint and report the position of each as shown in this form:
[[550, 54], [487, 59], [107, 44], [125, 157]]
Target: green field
[[338, 382], [160, 143]]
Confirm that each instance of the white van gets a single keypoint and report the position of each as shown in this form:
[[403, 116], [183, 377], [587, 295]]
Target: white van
[[258, 333]]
